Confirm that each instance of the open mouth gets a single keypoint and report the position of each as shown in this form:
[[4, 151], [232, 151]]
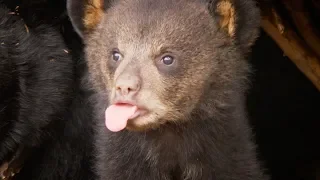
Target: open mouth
[[135, 115], [117, 115], [138, 110]]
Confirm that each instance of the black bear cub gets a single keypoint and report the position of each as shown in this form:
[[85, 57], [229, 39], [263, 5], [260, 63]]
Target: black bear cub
[[170, 78], [36, 81]]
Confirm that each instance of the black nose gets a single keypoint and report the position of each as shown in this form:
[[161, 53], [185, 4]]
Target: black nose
[[127, 85]]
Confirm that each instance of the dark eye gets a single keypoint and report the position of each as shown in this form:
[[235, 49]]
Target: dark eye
[[116, 56], [167, 60]]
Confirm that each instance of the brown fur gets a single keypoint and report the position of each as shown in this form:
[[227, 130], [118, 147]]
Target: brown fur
[[228, 21], [196, 127], [93, 14]]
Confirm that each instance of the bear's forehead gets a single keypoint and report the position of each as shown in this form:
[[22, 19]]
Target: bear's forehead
[[161, 20]]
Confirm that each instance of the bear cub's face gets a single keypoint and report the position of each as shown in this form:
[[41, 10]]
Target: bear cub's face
[[156, 61]]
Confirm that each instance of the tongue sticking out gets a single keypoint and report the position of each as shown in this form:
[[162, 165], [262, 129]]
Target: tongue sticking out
[[118, 115]]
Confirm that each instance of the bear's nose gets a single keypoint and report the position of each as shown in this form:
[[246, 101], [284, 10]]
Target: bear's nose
[[127, 85]]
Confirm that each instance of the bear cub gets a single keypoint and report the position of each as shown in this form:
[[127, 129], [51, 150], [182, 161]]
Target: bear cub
[[170, 78]]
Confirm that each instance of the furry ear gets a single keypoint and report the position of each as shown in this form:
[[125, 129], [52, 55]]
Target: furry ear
[[240, 19], [85, 15]]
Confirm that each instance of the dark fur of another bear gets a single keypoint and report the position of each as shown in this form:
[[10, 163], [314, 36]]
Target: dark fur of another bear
[[63, 147], [195, 126], [37, 80]]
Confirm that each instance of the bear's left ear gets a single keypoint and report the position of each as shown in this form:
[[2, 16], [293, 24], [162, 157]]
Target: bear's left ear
[[85, 15], [240, 19]]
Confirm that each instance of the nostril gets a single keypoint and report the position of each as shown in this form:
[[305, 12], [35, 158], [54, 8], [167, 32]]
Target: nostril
[[125, 90], [127, 86]]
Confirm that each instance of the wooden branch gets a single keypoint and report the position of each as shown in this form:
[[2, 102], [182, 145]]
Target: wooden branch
[[294, 48], [302, 20]]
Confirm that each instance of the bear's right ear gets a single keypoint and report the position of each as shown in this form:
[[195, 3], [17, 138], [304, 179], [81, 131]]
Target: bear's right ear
[[240, 19], [85, 15]]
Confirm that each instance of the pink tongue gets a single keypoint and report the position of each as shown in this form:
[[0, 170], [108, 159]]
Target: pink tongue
[[118, 115]]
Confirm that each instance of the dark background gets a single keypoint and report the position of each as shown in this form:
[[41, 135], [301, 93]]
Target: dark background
[[284, 110]]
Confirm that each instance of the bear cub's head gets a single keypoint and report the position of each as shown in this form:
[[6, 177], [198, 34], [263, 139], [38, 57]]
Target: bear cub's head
[[158, 62]]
